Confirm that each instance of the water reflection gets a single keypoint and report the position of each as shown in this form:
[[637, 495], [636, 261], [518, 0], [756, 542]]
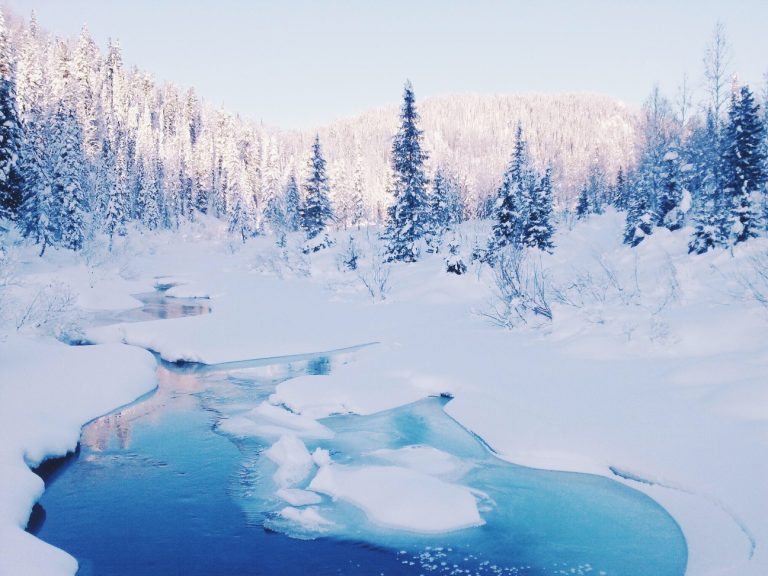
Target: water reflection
[[155, 306], [114, 430]]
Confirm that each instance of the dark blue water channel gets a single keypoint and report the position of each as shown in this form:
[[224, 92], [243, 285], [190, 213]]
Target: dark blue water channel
[[157, 489]]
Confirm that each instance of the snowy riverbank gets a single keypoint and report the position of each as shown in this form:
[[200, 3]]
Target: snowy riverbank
[[653, 368]]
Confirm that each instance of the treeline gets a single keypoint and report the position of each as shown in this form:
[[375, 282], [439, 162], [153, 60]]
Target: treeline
[[88, 147], [702, 166]]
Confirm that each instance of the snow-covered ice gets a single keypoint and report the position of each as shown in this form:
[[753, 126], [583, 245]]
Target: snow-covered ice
[[400, 498], [294, 462]]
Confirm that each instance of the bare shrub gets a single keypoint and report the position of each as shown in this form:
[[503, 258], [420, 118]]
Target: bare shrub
[[51, 310], [520, 289]]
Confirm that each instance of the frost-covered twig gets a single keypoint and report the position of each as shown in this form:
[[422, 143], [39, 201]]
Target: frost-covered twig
[[520, 290], [374, 273], [755, 279], [52, 310]]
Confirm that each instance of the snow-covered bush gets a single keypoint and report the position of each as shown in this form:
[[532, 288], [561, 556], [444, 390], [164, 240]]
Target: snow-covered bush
[[373, 271], [7, 279], [454, 263], [622, 294], [52, 310], [520, 289], [319, 242], [755, 278], [350, 255]]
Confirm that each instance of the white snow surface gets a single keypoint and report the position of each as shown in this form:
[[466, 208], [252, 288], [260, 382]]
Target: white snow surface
[[654, 366], [400, 498], [271, 421], [299, 497], [49, 390], [294, 462]]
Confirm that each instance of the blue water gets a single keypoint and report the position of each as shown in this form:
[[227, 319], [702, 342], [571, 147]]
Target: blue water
[[156, 489]]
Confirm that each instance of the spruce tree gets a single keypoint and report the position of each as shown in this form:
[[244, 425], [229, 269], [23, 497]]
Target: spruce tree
[[68, 178], [709, 227], [583, 205], [11, 180], [538, 229], [668, 211], [357, 201], [38, 215], [114, 176], [513, 199], [440, 204], [240, 221], [148, 198], [292, 205], [640, 217], [710, 214], [744, 165], [597, 190], [316, 211], [408, 217], [621, 191]]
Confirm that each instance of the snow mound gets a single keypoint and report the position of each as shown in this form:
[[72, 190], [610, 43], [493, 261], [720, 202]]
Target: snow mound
[[299, 497], [425, 459], [271, 421], [400, 498], [308, 518], [293, 460]]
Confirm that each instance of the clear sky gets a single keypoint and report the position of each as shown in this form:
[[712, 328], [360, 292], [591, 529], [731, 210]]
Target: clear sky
[[303, 63]]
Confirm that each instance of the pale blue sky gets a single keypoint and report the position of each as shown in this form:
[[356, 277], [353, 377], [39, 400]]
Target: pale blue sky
[[303, 63]]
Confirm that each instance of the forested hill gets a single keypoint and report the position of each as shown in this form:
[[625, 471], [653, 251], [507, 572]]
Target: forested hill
[[472, 136], [94, 145]]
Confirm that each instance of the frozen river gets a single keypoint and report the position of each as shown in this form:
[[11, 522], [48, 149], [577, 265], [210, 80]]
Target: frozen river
[[166, 486]]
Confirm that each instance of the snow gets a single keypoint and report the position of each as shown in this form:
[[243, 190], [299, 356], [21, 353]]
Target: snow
[[271, 421], [653, 367], [425, 459], [298, 497], [400, 498], [308, 518], [49, 391], [293, 460]]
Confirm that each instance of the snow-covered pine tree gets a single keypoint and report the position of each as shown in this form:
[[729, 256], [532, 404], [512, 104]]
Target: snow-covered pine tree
[[744, 166], [113, 94], [11, 137], [702, 153], [708, 225], [538, 229], [513, 199], [640, 216], [621, 191], [316, 211], [597, 189], [270, 198], [357, 200], [649, 178], [669, 209], [242, 217], [440, 204], [149, 193], [68, 178], [114, 179], [292, 205], [87, 70], [408, 216], [583, 205]]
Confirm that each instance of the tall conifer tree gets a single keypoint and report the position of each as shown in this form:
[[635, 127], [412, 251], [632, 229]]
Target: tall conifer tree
[[408, 217]]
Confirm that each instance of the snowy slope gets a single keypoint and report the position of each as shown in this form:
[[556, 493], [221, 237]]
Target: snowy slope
[[652, 372]]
